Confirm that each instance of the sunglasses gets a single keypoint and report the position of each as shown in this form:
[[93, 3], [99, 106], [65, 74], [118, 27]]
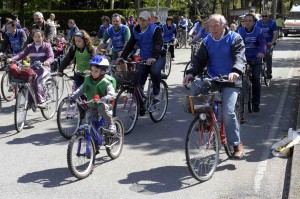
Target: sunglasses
[[79, 34], [264, 15]]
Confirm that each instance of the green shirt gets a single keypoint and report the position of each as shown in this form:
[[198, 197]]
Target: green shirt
[[82, 60]]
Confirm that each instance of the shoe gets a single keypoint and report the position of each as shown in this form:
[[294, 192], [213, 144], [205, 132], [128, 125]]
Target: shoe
[[142, 111], [238, 151], [156, 100], [269, 76], [42, 105], [112, 128], [172, 59], [256, 108]]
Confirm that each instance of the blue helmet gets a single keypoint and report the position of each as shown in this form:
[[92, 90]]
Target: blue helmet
[[99, 60]]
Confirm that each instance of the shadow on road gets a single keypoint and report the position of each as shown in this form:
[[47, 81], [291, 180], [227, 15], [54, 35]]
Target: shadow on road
[[158, 180]]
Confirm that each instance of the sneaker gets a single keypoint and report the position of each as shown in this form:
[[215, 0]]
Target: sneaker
[[156, 100], [256, 108], [172, 59], [269, 76], [238, 151], [42, 105], [142, 111], [112, 128]]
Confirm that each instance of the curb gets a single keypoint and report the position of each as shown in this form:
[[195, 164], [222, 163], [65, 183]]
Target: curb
[[294, 192]]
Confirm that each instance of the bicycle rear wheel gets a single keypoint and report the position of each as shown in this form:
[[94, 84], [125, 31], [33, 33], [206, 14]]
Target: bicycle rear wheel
[[240, 107], [68, 118], [158, 111], [51, 96], [8, 90], [81, 156], [114, 144], [126, 108], [21, 108], [202, 148]]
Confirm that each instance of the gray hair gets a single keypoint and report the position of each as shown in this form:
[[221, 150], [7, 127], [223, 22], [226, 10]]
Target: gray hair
[[38, 14], [218, 17]]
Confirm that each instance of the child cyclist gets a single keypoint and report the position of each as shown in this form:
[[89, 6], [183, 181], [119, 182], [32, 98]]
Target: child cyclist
[[99, 83], [83, 51], [38, 51]]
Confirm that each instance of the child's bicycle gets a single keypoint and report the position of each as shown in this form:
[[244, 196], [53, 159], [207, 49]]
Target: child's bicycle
[[131, 102], [205, 137], [86, 142]]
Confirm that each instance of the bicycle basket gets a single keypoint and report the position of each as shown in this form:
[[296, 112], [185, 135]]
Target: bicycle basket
[[197, 104], [126, 77], [21, 75]]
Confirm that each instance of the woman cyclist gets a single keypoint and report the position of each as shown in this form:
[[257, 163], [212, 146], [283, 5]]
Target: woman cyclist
[[82, 51]]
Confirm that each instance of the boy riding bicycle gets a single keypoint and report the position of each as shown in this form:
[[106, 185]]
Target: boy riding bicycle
[[99, 83]]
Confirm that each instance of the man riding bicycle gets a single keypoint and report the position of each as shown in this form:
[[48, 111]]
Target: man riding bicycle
[[270, 31], [148, 37], [223, 52], [255, 51]]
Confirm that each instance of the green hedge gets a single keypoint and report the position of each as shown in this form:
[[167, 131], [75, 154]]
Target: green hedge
[[89, 20]]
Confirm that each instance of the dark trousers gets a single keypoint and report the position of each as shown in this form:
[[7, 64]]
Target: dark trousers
[[256, 86], [171, 48]]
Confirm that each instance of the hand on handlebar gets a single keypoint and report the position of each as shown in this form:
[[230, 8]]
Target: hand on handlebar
[[119, 60], [233, 76], [150, 61], [186, 79]]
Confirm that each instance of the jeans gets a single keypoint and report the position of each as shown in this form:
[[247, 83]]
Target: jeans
[[155, 73], [256, 71], [229, 98], [268, 59]]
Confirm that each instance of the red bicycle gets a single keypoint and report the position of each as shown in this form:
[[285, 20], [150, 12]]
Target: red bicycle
[[205, 136]]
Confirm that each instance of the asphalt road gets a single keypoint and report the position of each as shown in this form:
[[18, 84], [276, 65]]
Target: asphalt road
[[152, 164]]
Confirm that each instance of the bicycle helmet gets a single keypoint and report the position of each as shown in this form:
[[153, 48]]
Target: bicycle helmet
[[99, 61]]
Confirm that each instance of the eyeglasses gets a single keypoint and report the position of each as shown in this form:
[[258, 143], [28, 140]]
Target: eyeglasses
[[264, 15]]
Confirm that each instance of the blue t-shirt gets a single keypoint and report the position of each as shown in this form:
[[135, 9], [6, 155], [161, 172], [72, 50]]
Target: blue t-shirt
[[220, 59], [268, 29], [254, 43]]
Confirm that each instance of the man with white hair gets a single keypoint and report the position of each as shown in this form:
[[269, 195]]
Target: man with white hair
[[223, 53], [41, 24]]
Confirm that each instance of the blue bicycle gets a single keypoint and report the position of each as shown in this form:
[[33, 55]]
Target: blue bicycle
[[86, 142]]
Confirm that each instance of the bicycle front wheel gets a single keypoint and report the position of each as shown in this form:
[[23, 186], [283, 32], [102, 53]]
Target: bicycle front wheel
[[21, 108], [202, 148], [114, 144], [51, 96], [168, 65], [187, 86], [81, 156], [68, 118], [158, 111], [8, 90], [126, 108]]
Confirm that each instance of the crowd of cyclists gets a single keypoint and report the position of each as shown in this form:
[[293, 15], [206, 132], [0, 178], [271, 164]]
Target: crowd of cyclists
[[223, 51]]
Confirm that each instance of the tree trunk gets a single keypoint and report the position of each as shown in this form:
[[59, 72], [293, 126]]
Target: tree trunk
[[112, 4], [168, 3], [274, 9], [214, 7]]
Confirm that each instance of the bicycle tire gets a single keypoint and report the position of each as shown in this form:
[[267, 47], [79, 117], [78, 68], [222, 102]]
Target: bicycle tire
[[51, 95], [127, 109], [88, 158], [240, 107], [68, 119], [168, 65], [158, 111], [21, 108], [116, 141], [6, 86], [187, 86], [197, 154]]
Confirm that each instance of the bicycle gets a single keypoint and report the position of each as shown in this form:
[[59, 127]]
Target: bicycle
[[179, 38], [86, 142], [194, 49], [8, 88], [26, 99], [59, 79], [205, 137], [168, 65], [131, 102]]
